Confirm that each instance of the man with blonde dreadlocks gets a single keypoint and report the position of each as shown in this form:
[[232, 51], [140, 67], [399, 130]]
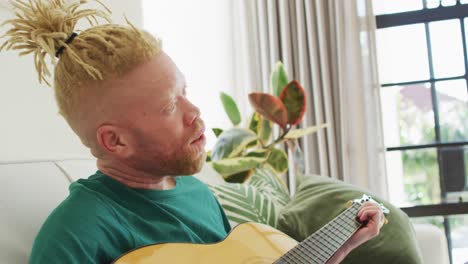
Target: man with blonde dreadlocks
[[125, 99]]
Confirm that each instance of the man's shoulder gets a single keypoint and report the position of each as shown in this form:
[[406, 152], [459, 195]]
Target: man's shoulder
[[77, 226], [80, 208]]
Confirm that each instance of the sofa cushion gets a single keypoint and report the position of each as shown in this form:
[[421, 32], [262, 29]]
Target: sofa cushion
[[76, 169], [433, 244], [320, 199], [29, 192]]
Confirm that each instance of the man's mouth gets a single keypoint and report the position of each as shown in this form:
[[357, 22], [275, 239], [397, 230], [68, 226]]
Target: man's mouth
[[200, 138]]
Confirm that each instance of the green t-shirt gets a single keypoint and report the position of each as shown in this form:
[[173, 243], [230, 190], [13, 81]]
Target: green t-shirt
[[101, 219]]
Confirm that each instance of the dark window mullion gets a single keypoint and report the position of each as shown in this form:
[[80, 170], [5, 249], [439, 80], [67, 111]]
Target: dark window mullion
[[465, 52], [430, 145], [424, 81], [435, 107]]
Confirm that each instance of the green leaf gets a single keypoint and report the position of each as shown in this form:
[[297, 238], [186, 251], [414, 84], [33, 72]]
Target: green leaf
[[269, 183], [260, 153], [265, 130], [227, 167], [279, 79], [294, 99], [231, 143], [244, 203], [231, 109], [217, 131], [239, 177], [208, 156], [278, 160], [297, 133], [269, 107], [254, 120]]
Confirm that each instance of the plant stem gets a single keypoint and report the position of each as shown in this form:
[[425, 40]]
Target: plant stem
[[288, 127]]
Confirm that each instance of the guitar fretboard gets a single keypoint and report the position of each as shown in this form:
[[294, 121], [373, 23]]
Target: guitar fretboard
[[319, 247]]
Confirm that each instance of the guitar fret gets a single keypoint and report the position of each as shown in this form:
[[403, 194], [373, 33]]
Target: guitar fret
[[336, 235], [333, 232], [339, 228], [324, 239], [344, 234], [319, 247], [325, 248], [346, 228], [320, 255], [295, 255], [300, 254], [312, 253], [336, 244], [299, 249], [311, 245], [287, 257], [306, 252], [319, 252]]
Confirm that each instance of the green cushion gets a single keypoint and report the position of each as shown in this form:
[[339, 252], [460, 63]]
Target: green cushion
[[319, 199]]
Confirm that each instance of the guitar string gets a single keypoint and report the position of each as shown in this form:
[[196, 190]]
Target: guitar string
[[320, 244], [327, 230], [325, 233]]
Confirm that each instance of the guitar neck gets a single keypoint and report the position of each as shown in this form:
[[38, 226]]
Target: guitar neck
[[319, 247]]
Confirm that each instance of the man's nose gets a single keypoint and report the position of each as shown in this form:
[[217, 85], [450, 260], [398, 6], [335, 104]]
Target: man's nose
[[192, 114]]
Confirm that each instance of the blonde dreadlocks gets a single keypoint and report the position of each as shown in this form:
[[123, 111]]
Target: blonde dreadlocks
[[46, 27]]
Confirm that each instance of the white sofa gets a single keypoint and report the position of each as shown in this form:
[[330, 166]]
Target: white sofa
[[32, 188]]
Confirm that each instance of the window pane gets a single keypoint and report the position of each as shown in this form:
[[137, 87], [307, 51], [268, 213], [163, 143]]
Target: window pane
[[466, 31], [458, 233], [464, 1], [432, 3], [449, 2], [413, 177], [452, 100], [402, 54], [453, 162], [408, 117], [395, 6], [447, 48]]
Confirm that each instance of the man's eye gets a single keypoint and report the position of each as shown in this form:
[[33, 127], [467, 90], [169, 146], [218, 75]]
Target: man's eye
[[171, 107]]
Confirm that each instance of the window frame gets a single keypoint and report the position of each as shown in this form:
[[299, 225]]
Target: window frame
[[427, 15]]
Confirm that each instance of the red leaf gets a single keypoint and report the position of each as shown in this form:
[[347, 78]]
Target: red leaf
[[270, 107], [294, 99]]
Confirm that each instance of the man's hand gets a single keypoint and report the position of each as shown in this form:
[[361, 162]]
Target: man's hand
[[373, 218]]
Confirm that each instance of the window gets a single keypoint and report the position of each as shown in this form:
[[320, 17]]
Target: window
[[198, 38], [423, 62]]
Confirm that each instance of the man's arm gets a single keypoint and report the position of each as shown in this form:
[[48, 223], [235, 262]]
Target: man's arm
[[371, 213]]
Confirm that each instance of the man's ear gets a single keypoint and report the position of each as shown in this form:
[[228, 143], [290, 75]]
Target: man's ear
[[112, 141]]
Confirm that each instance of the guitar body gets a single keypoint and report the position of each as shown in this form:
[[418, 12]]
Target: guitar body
[[253, 243], [248, 243]]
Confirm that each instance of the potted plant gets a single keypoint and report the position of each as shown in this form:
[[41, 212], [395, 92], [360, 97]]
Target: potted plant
[[239, 151], [249, 159]]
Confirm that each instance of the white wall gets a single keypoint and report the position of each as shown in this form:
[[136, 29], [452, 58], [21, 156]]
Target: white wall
[[198, 37], [29, 121]]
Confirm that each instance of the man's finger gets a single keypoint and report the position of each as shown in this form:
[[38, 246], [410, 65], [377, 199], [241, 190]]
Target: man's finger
[[369, 213]]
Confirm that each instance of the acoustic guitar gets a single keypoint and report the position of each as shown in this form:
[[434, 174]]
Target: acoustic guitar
[[253, 243]]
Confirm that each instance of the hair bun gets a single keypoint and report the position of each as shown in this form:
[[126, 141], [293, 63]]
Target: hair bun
[[42, 27]]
